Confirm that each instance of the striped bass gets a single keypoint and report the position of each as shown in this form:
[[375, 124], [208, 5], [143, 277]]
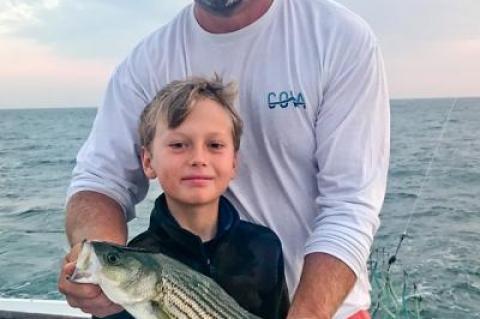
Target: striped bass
[[153, 285]]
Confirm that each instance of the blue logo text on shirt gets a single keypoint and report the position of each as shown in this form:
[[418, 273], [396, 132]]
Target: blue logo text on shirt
[[285, 99]]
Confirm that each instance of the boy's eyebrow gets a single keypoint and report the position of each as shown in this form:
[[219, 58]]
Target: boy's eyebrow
[[223, 136], [219, 132], [170, 133], [212, 132]]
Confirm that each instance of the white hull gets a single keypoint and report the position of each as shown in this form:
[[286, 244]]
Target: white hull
[[38, 309]]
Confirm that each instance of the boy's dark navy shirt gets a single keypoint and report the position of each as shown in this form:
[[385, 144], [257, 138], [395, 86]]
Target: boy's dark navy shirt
[[245, 259]]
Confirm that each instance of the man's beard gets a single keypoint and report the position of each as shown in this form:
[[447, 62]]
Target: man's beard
[[219, 7]]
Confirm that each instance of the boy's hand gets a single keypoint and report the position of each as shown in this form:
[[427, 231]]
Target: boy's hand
[[89, 298]]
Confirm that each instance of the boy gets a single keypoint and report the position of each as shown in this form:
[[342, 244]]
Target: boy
[[190, 136]]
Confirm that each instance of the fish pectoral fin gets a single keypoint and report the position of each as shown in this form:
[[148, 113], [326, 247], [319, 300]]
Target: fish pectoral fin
[[145, 310], [158, 310]]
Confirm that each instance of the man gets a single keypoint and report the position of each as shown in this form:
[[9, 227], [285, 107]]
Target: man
[[314, 157]]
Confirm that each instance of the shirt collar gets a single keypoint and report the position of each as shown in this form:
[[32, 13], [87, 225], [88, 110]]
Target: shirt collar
[[161, 220]]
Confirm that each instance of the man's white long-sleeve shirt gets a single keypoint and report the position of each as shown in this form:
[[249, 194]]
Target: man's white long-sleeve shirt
[[314, 156]]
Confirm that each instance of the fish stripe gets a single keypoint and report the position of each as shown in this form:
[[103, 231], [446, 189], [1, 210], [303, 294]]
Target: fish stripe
[[221, 299], [209, 296], [181, 300], [214, 299], [197, 299]]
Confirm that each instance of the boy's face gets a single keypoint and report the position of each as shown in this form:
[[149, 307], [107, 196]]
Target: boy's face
[[195, 161]]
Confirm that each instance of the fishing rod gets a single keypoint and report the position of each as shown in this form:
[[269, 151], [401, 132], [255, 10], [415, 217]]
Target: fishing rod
[[393, 258], [426, 176]]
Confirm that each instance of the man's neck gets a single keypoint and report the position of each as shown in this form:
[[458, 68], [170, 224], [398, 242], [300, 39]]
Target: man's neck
[[246, 14]]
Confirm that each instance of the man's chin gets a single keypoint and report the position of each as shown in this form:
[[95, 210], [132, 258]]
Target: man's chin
[[221, 8]]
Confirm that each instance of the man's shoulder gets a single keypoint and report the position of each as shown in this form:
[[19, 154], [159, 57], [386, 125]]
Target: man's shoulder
[[330, 16]]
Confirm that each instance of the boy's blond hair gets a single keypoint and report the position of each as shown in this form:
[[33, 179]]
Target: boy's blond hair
[[174, 103]]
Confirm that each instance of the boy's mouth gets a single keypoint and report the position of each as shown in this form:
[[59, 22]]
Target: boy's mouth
[[196, 177], [197, 180]]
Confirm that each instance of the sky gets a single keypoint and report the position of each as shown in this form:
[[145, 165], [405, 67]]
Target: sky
[[60, 53]]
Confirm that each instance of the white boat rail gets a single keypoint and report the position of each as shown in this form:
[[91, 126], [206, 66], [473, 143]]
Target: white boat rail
[[38, 309]]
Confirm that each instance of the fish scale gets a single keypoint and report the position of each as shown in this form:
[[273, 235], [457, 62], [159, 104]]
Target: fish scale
[[202, 300]]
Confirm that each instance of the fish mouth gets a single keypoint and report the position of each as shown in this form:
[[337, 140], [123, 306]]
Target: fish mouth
[[87, 266], [79, 276]]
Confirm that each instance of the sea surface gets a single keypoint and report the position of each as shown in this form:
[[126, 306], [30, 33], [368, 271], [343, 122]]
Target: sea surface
[[433, 195]]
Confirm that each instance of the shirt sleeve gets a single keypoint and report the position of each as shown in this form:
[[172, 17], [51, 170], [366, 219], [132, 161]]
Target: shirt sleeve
[[109, 161], [353, 137]]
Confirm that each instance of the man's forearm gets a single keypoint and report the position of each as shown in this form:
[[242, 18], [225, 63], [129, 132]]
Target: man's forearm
[[92, 215], [324, 284]]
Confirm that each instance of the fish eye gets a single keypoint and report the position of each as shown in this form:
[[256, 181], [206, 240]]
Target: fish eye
[[113, 259]]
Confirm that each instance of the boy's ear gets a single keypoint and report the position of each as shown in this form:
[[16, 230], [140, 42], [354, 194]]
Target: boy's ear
[[147, 163], [234, 168]]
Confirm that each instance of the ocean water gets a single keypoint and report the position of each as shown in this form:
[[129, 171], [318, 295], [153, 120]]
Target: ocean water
[[441, 253]]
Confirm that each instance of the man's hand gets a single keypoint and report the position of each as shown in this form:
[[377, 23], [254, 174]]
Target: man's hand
[[90, 216], [89, 298], [324, 284]]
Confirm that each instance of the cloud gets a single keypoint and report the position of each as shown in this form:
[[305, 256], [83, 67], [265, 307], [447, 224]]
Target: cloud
[[449, 68], [33, 75], [410, 23], [87, 28], [431, 47], [56, 53], [15, 14]]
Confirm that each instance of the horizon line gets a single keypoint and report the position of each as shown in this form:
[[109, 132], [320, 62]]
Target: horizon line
[[6, 108]]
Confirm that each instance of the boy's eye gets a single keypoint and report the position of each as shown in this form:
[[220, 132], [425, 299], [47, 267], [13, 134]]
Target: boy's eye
[[216, 145], [177, 145]]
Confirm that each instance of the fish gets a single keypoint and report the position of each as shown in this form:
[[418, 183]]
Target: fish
[[152, 285]]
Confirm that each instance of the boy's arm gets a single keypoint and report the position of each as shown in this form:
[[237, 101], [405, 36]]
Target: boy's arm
[[283, 299], [276, 301], [90, 216]]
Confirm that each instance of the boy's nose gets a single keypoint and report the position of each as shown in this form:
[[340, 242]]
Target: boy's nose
[[198, 157]]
